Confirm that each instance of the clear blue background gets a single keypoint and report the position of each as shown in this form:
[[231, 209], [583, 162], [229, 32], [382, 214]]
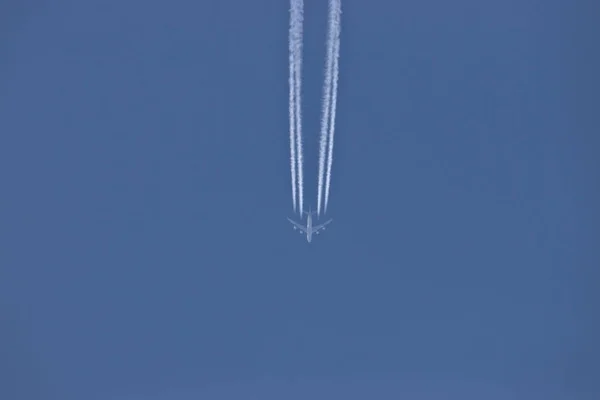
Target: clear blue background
[[145, 185]]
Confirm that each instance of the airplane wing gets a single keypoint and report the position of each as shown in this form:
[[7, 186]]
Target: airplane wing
[[298, 226], [317, 228]]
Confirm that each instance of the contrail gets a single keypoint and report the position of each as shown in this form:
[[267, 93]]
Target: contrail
[[326, 106], [298, 91], [292, 100], [295, 112], [336, 9], [329, 100]]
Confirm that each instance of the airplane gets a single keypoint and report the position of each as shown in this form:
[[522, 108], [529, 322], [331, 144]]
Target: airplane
[[309, 229]]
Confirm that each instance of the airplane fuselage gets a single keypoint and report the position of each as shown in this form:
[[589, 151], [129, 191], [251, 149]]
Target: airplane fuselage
[[309, 228]]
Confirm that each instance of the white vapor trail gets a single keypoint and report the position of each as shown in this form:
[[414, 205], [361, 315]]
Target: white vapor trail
[[326, 108], [292, 100], [295, 101], [298, 82], [336, 10], [329, 101]]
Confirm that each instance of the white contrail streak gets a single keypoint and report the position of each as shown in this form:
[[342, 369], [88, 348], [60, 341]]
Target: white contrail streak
[[292, 100], [336, 11], [299, 4], [326, 106], [295, 112]]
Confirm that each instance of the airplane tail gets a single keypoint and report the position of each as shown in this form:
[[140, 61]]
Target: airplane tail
[[309, 212]]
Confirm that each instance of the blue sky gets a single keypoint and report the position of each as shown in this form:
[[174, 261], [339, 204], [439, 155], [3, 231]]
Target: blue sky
[[144, 161]]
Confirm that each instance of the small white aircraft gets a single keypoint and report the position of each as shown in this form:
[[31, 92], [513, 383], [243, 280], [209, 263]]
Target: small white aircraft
[[309, 229]]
